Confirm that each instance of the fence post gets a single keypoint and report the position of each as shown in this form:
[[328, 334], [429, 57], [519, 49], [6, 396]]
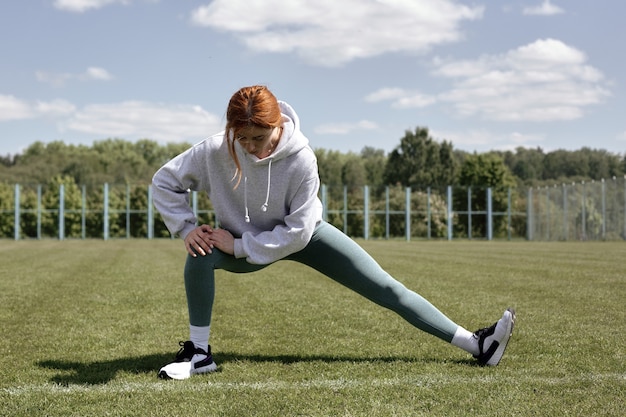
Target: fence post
[[105, 214], [150, 213], [83, 212], [324, 203], [428, 213], [449, 212], [489, 215], [508, 221], [39, 208], [469, 212], [407, 213], [61, 212], [387, 212], [366, 212], [603, 210], [194, 203], [565, 224], [345, 209], [529, 214], [127, 211], [547, 213], [584, 209], [16, 217]]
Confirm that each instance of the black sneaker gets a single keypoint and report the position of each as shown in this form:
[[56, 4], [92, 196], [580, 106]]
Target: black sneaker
[[189, 360], [492, 340]]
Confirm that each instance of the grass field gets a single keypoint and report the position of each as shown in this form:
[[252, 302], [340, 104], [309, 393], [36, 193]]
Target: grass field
[[87, 324]]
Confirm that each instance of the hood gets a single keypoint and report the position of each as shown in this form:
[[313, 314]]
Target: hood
[[291, 141]]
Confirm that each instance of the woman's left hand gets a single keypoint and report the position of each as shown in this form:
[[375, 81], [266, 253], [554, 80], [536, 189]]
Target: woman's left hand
[[223, 240]]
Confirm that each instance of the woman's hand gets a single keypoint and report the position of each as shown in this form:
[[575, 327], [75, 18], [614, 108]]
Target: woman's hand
[[223, 240], [199, 241], [202, 240]]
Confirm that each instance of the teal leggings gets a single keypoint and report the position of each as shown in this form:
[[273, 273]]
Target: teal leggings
[[335, 255]]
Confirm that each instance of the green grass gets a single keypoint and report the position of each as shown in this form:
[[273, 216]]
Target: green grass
[[86, 325]]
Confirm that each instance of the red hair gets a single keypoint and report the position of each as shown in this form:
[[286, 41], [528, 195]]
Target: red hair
[[250, 106]]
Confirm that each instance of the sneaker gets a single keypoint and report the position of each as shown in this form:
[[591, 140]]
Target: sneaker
[[189, 360], [492, 340]]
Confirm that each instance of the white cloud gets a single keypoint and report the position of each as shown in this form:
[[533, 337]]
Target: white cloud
[[345, 128], [55, 80], [331, 33], [384, 94], [415, 100], [546, 80], [488, 140], [60, 79], [137, 119], [54, 108], [470, 138], [544, 9], [127, 120], [97, 73], [12, 108], [525, 139], [80, 6], [400, 98]]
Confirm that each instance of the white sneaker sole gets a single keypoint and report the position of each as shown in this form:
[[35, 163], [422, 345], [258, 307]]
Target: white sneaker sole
[[497, 355], [183, 370]]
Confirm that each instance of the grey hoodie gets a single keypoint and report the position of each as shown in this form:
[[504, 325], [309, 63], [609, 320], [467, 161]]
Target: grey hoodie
[[273, 211]]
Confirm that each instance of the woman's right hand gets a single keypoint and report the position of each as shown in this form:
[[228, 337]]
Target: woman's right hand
[[198, 241]]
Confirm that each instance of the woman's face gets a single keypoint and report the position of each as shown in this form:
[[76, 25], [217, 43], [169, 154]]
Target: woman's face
[[258, 141]]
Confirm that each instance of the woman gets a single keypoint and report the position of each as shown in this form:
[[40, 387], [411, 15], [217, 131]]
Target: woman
[[262, 179]]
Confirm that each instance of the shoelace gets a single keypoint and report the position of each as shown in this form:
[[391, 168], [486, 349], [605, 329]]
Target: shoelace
[[486, 332], [187, 351]]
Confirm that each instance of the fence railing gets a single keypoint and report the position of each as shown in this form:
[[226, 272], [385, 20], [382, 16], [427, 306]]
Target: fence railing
[[577, 211]]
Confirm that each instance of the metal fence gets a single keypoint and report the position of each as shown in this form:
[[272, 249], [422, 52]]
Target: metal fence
[[575, 211], [578, 211]]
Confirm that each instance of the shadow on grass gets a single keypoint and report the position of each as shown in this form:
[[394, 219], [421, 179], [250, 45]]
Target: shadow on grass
[[101, 372]]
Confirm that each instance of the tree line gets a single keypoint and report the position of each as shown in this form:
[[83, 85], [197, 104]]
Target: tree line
[[419, 161]]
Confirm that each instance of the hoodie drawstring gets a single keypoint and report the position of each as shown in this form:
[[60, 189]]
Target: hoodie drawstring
[[267, 195], [245, 198]]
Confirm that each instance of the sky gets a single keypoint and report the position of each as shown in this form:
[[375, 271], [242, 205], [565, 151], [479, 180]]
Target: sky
[[484, 75]]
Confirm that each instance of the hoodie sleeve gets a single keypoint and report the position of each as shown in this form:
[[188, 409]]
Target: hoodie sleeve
[[171, 185], [291, 236]]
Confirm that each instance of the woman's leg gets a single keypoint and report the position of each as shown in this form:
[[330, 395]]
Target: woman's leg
[[200, 282], [336, 255], [195, 357]]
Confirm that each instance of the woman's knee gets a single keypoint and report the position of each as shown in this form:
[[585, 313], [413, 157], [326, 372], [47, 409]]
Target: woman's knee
[[195, 263]]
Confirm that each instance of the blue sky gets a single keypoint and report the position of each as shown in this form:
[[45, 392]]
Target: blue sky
[[482, 74]]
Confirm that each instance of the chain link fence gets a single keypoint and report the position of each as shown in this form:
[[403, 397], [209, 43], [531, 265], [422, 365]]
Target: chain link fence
[[593, 210]]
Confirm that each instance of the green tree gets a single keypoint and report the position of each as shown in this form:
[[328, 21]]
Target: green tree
[[7, 205], [527, 164], [374, 161], [330, 166], [480, 172], [353, 171], [72, 204], [28, 211], [420, 161], [602, 164]]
